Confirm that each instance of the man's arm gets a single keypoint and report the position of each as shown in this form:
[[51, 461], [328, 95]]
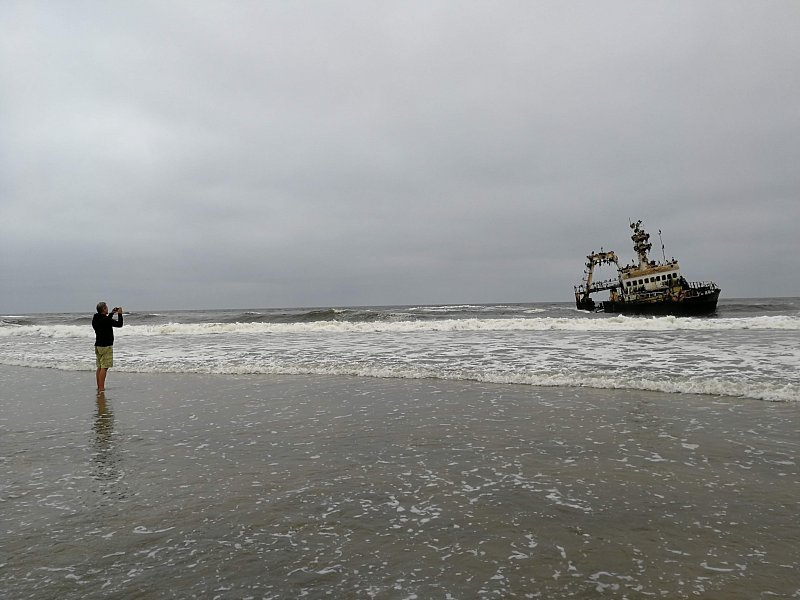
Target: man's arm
[[118, 322]]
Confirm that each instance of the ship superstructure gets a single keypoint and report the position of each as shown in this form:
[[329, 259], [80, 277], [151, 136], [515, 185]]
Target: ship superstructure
[[646, 286]]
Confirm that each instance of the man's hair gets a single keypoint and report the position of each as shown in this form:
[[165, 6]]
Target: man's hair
[[101, 306]]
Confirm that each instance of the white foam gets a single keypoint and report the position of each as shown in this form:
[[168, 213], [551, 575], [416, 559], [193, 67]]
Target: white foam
[[771, 392], [618, 323], [46, 331], [725, 357]]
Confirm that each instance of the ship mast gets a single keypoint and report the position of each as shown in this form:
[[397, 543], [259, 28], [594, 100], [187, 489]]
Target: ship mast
[[641, 243]]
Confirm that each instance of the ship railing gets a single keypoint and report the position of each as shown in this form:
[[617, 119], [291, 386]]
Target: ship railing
[[702, 284], [599, 286]]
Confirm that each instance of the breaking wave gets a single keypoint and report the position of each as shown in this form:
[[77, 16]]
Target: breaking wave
[[748, 350], [323, 322], [766, 391]]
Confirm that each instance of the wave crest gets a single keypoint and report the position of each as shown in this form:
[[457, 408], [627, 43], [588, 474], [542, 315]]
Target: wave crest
[[326, 322], [771, 392]]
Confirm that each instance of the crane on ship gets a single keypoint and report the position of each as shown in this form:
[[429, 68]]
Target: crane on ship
[[583, 299]]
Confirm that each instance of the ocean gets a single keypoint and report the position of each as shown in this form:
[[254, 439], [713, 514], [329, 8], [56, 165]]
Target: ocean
[[750, 348], [408, 452]]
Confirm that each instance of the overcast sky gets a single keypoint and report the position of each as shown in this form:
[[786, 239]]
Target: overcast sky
[[199, 154]]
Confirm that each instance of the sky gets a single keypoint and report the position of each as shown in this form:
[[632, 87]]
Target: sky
[[255, 154]]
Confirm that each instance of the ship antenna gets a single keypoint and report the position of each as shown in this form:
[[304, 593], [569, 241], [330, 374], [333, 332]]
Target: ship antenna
[[663, 255]]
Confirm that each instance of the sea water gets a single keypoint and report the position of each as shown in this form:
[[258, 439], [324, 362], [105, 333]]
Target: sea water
[[492, 451], [748, 348]]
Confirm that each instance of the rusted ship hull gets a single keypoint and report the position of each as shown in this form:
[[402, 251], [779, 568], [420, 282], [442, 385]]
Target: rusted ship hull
[[704, 302]]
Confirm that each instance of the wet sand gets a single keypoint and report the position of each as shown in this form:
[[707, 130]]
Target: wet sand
[[180, 486]]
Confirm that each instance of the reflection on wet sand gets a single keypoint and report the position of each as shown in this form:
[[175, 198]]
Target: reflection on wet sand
[[105, 455], [290, 486]]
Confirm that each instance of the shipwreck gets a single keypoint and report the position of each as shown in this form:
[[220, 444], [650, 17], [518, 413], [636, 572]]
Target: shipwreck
[[645, 287]]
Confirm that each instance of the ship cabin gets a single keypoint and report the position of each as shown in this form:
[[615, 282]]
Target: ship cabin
[[636, 281]]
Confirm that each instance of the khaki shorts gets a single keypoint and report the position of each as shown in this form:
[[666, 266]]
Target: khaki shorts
[[105, 356]]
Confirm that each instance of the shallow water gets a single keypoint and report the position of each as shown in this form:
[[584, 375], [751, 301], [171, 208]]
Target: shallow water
[[179, 486]]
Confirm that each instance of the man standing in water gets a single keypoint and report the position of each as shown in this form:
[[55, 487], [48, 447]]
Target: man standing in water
[[103, 325]]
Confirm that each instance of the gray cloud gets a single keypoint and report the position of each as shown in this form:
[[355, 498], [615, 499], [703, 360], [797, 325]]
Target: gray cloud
[[272, 154]]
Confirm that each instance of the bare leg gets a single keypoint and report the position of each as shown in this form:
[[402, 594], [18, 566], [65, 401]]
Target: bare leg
[[101, 379]]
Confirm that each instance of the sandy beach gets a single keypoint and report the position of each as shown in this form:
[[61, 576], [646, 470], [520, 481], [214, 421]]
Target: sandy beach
[[182, 485]]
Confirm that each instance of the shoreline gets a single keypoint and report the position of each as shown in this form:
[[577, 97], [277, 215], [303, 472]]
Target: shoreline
[[758, 394], [278, 486]]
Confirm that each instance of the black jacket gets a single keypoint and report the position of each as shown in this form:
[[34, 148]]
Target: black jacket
[[104, 328]]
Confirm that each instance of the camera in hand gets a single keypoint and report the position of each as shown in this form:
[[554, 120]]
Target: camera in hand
[[116, 309]]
